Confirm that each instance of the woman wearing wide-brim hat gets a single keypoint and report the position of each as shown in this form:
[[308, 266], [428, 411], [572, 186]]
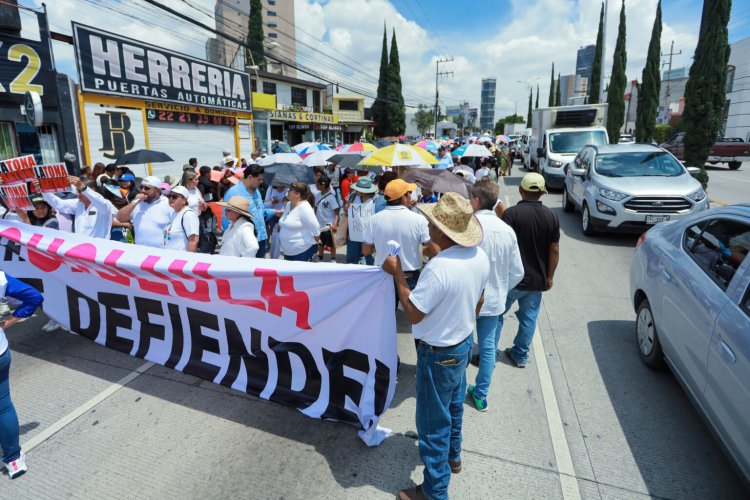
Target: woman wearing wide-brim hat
[[239, 239]]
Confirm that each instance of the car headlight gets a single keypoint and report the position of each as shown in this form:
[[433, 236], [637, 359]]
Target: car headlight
[[612, 195], [555, 163], [697, 195]]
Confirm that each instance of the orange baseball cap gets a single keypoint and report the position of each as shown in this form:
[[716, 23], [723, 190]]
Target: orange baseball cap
[[398, 188]]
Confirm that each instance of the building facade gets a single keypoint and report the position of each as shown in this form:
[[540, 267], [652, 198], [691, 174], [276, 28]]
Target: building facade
[[487, 104], [232, 17], [738, 91], [585, 61]]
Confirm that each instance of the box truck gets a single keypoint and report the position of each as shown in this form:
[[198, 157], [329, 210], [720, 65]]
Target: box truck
[[559, 133]]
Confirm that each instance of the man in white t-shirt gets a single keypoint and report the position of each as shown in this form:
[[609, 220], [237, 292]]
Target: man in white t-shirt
[[396, 222], [149, 212], [327, 212], [443, 309]]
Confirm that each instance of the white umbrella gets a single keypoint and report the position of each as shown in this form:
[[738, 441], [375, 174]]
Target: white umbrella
[[318, 158], [279, 158], [475, 150], [484, 138]]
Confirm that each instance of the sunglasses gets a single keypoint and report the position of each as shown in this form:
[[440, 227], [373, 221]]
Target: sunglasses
[[175, 196], [146, 188]]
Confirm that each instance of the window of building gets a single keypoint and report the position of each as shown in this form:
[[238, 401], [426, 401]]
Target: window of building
[[7, 140], [348, 105], [269, 88], [316, 100], [271, 2], [253, 85], [718, 246], [273, 35], [272, 25], [271, 13], [299, 96]]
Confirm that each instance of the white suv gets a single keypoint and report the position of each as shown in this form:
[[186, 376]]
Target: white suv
[[629, 188]]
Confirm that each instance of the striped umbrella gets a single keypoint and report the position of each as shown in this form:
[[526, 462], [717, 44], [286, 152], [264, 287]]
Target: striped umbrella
[[358, 147], [305, 148], [430, 146], [400, 155]]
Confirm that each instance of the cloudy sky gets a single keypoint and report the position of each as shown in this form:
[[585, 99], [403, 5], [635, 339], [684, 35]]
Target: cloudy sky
[[515, 41]]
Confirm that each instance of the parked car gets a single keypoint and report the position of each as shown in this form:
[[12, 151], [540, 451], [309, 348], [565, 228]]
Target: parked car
[[731, 152], [523, 143], [628, 188], [626, 139], [690, 285]]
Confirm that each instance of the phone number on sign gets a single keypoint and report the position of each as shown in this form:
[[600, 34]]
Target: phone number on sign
[[198, 119]]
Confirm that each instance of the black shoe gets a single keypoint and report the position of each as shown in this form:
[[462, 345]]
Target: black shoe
[[510, 356], [474, 360], [455, 466]]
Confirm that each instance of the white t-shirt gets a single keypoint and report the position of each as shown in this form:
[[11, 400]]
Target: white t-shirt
[[400, 224], [272, 193], [194, 200], [359, 218], [94, 221], [506, 268], [183, 225], [325, 204], [298, 228], [448, 292], [150, 220]]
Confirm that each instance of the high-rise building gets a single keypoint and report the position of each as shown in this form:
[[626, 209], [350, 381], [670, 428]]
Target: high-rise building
[[487, 106], [567, 87], [585, 61], [232, 17]]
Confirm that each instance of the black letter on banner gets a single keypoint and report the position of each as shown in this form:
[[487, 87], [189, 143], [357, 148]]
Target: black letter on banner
[[145, 308], [74, 313], [177, 337], [342, 386], [382, 381], [283, 392], [199, 343], [256, 361], [112, 301]]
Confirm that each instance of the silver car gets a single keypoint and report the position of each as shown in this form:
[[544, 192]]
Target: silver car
[[629, 188], [690, 285]]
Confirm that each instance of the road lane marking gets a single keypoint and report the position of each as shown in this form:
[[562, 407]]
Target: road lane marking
[[85, 407], [564, 460]]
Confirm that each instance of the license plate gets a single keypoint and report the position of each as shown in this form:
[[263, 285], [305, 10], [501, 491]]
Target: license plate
[[653, 219]]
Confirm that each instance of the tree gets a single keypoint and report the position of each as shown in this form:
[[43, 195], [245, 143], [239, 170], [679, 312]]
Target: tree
[[551, 101], [648, 93], [396, 111], [596, 70], [380, 105], [617, 83], [536, 105], [500, 124], [424, 118], [705, 92], [558, 96], [528, 115], [255, 55]]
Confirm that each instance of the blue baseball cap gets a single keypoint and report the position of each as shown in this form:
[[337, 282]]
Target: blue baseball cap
[[127, 177]]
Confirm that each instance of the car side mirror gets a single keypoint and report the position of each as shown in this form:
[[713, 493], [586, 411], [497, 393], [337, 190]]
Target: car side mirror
[[693, 170], [540, 152], [580, 172]]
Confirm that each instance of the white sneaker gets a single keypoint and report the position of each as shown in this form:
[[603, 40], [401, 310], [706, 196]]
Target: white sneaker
[[17, 467], [51, 326], [4, 309]]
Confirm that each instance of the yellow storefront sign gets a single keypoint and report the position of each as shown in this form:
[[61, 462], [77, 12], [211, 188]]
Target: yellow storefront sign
[[303, 116]]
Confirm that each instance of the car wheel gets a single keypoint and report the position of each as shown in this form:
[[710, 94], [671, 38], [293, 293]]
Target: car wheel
[[734, 165], [586, 225], [647, 337], [567, 203]]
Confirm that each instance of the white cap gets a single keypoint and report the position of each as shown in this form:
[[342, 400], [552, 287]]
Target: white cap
[[180, 190], [152, 181]]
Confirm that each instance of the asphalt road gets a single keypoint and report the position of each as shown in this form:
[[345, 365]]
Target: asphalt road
[[585, 419], [729, 186]]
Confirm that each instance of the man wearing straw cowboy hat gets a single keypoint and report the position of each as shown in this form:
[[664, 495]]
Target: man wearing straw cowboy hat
[[442, 309]]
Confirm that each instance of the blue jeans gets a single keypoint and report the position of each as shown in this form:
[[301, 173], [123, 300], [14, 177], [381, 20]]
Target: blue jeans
[[488, 335], [529, 304], [304, 256], [11, 448], [262, 249], [354, 253], [441, 387]]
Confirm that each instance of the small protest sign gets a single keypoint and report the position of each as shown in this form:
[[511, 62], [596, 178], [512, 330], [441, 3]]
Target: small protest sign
[[52, 178], [19, 169], [16, 196]]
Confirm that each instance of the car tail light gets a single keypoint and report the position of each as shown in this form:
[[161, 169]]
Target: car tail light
[[641, 239]]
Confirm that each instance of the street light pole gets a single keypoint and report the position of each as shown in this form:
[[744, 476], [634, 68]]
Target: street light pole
[[604, 53], [437, 74]]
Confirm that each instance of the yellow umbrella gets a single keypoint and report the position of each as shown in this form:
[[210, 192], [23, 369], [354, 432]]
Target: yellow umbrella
[[400, 155]]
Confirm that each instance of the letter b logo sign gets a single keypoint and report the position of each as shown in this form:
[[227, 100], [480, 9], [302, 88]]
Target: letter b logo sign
[[116, 136]]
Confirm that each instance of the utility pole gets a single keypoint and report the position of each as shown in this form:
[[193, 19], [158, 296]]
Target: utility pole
[[604, 52], [667, 114], [437, 74]]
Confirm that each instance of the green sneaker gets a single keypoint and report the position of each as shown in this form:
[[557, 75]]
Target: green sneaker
[[479, 403]]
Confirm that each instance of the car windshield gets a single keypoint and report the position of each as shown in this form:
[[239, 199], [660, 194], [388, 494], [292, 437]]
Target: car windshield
[[573, 142], [638, 164]]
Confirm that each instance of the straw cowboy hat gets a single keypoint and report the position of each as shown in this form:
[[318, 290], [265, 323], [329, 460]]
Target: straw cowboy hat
[[453, 215], [238, 204]]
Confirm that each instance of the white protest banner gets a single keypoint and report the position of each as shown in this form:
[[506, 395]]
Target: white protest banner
[[52, 178], [16, 196], [19, 169], [318, 337]]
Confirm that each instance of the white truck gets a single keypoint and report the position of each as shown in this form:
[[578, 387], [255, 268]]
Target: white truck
[[559, 133]]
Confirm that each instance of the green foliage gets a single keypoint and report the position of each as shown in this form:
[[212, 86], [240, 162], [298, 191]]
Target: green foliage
[[617, 82], [380, 105], [705, 92], [648, 93], [558, 96], [424, 118], [662, 133], [500, 124], [551, 101], [528, 114], [596, 71], [396, 110], [536, 105], [256, 54]]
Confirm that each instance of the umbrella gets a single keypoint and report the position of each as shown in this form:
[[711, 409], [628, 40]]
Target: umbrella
[[503, 138], [306, 148], [485, 138], [376, 169], [400, 155], [439, 181], [143, 156], [284, 174], [358, 147], [472, 150], [279, 158], [430, 146], [347, 160], [383, 143], [318, 158]]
